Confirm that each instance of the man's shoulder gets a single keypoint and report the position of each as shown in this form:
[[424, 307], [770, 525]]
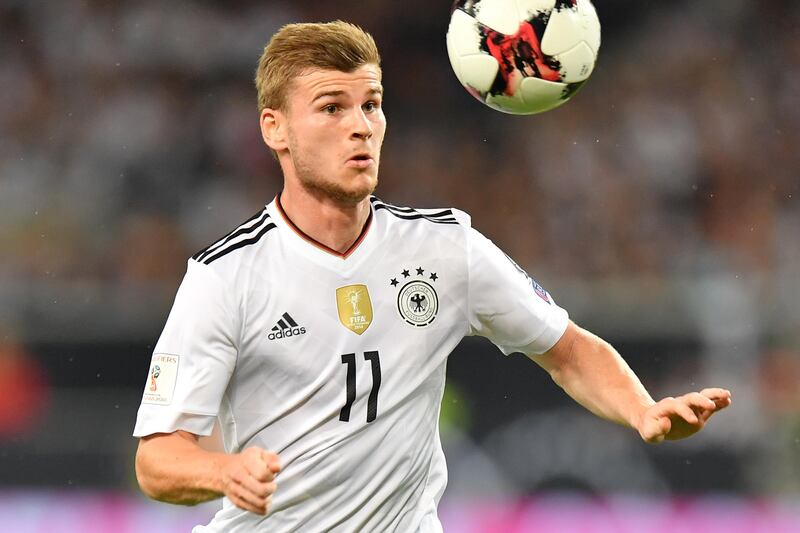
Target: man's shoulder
[[425, 217], [246, 235]]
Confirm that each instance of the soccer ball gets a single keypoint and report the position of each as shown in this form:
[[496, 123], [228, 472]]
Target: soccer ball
[[523, 56]]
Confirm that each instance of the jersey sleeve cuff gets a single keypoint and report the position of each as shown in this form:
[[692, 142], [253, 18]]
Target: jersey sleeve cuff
[[148, 422], [555, 327]]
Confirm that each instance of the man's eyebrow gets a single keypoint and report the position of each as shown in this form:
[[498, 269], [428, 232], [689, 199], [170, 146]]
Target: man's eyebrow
[[372, 91], [327, 93]]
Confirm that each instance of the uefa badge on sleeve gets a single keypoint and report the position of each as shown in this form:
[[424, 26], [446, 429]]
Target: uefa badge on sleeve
[[417, 301], [539, 290]]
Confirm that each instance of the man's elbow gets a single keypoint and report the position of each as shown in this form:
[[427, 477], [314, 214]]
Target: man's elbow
[[147, 482], [157, 482], [151, 482]]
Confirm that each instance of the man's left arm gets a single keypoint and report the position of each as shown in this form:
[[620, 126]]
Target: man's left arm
[[592, 372]]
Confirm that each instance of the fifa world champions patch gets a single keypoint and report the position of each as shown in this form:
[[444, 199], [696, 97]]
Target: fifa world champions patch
[[355, 307], [161, 379]]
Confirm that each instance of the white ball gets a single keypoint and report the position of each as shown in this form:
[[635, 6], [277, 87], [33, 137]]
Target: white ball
[[523, 56]]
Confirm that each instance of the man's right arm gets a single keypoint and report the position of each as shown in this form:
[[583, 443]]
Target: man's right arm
[[173, 468]]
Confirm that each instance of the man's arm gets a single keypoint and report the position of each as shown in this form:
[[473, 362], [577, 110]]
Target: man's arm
[[597, 377], [173, 468]]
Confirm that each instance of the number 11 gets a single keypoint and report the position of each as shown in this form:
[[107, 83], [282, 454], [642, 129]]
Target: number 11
[[349, 359]]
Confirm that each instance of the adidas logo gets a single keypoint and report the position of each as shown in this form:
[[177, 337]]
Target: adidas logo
[[286, 327]]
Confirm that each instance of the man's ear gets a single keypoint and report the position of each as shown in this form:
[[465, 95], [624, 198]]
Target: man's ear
[[273, 124]]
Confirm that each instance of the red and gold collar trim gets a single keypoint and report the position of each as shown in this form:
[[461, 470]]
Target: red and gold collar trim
[[311, 240]]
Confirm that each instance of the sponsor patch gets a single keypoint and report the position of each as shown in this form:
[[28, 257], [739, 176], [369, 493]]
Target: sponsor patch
[[161, 379], [285, 328]]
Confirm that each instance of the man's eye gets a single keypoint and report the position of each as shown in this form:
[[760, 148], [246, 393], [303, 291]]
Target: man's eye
[[330, 109], [371, 106]]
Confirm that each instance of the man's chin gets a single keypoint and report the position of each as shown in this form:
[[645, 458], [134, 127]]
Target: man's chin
[[347, 196]]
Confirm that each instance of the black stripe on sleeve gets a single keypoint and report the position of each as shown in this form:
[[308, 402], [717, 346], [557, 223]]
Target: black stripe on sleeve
[[417, 215], [243, 228], [447, 213], [240, 244], [407, 213], [409, 210]]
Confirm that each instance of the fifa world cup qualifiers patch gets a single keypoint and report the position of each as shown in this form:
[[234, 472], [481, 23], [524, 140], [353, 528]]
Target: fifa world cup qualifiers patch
[[417, 300], [161, 379]]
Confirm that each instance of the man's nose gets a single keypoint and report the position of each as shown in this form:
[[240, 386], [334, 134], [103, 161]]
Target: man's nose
[[362, 127]]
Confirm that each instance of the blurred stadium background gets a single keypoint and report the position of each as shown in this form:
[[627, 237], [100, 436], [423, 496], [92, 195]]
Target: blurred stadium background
[[660, 207]]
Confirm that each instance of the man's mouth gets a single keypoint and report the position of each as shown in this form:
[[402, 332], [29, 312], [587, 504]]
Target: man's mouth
[[362, 160]]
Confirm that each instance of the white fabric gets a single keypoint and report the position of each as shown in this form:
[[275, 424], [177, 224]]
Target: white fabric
[[286, 394]]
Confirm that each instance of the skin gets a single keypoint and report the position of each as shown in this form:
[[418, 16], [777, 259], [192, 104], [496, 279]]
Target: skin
[[592, 372], [329, 117], [173, 468]]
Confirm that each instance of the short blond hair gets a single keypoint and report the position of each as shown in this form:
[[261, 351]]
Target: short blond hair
[[295, 48]]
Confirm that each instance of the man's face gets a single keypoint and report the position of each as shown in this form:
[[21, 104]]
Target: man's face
[[335, 127]]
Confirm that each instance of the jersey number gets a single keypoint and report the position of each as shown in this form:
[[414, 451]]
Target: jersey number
[[349, 359]]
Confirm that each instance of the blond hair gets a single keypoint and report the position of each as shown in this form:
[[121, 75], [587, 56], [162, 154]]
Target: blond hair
[[295, 48]]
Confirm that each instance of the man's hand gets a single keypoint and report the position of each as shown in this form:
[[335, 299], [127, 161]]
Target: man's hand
[[248, 479], [681, 417]]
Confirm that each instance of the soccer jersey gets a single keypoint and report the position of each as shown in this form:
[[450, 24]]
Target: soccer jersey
[[337, 362]]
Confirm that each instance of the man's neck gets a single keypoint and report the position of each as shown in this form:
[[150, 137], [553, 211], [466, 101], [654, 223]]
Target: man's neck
[[335, 225]]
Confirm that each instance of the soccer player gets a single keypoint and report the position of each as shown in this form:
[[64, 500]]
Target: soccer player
[[318, 331]]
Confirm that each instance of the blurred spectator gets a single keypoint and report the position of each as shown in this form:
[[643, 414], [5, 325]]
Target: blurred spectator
[[138, 110], [23, 390], [777, 469]]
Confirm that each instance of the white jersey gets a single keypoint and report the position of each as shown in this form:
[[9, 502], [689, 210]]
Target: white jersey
[[336, 362]]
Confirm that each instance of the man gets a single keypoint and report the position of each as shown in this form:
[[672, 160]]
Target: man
[[318, 331]]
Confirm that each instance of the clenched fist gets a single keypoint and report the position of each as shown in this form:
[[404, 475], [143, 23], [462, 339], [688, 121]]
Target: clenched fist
[[248, 479]]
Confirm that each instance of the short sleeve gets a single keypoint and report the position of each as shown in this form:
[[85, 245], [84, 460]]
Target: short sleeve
[[506, 305], [193, 359]]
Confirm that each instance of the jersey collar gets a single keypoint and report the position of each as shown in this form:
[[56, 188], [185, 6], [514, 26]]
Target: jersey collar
[[299, 235]]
